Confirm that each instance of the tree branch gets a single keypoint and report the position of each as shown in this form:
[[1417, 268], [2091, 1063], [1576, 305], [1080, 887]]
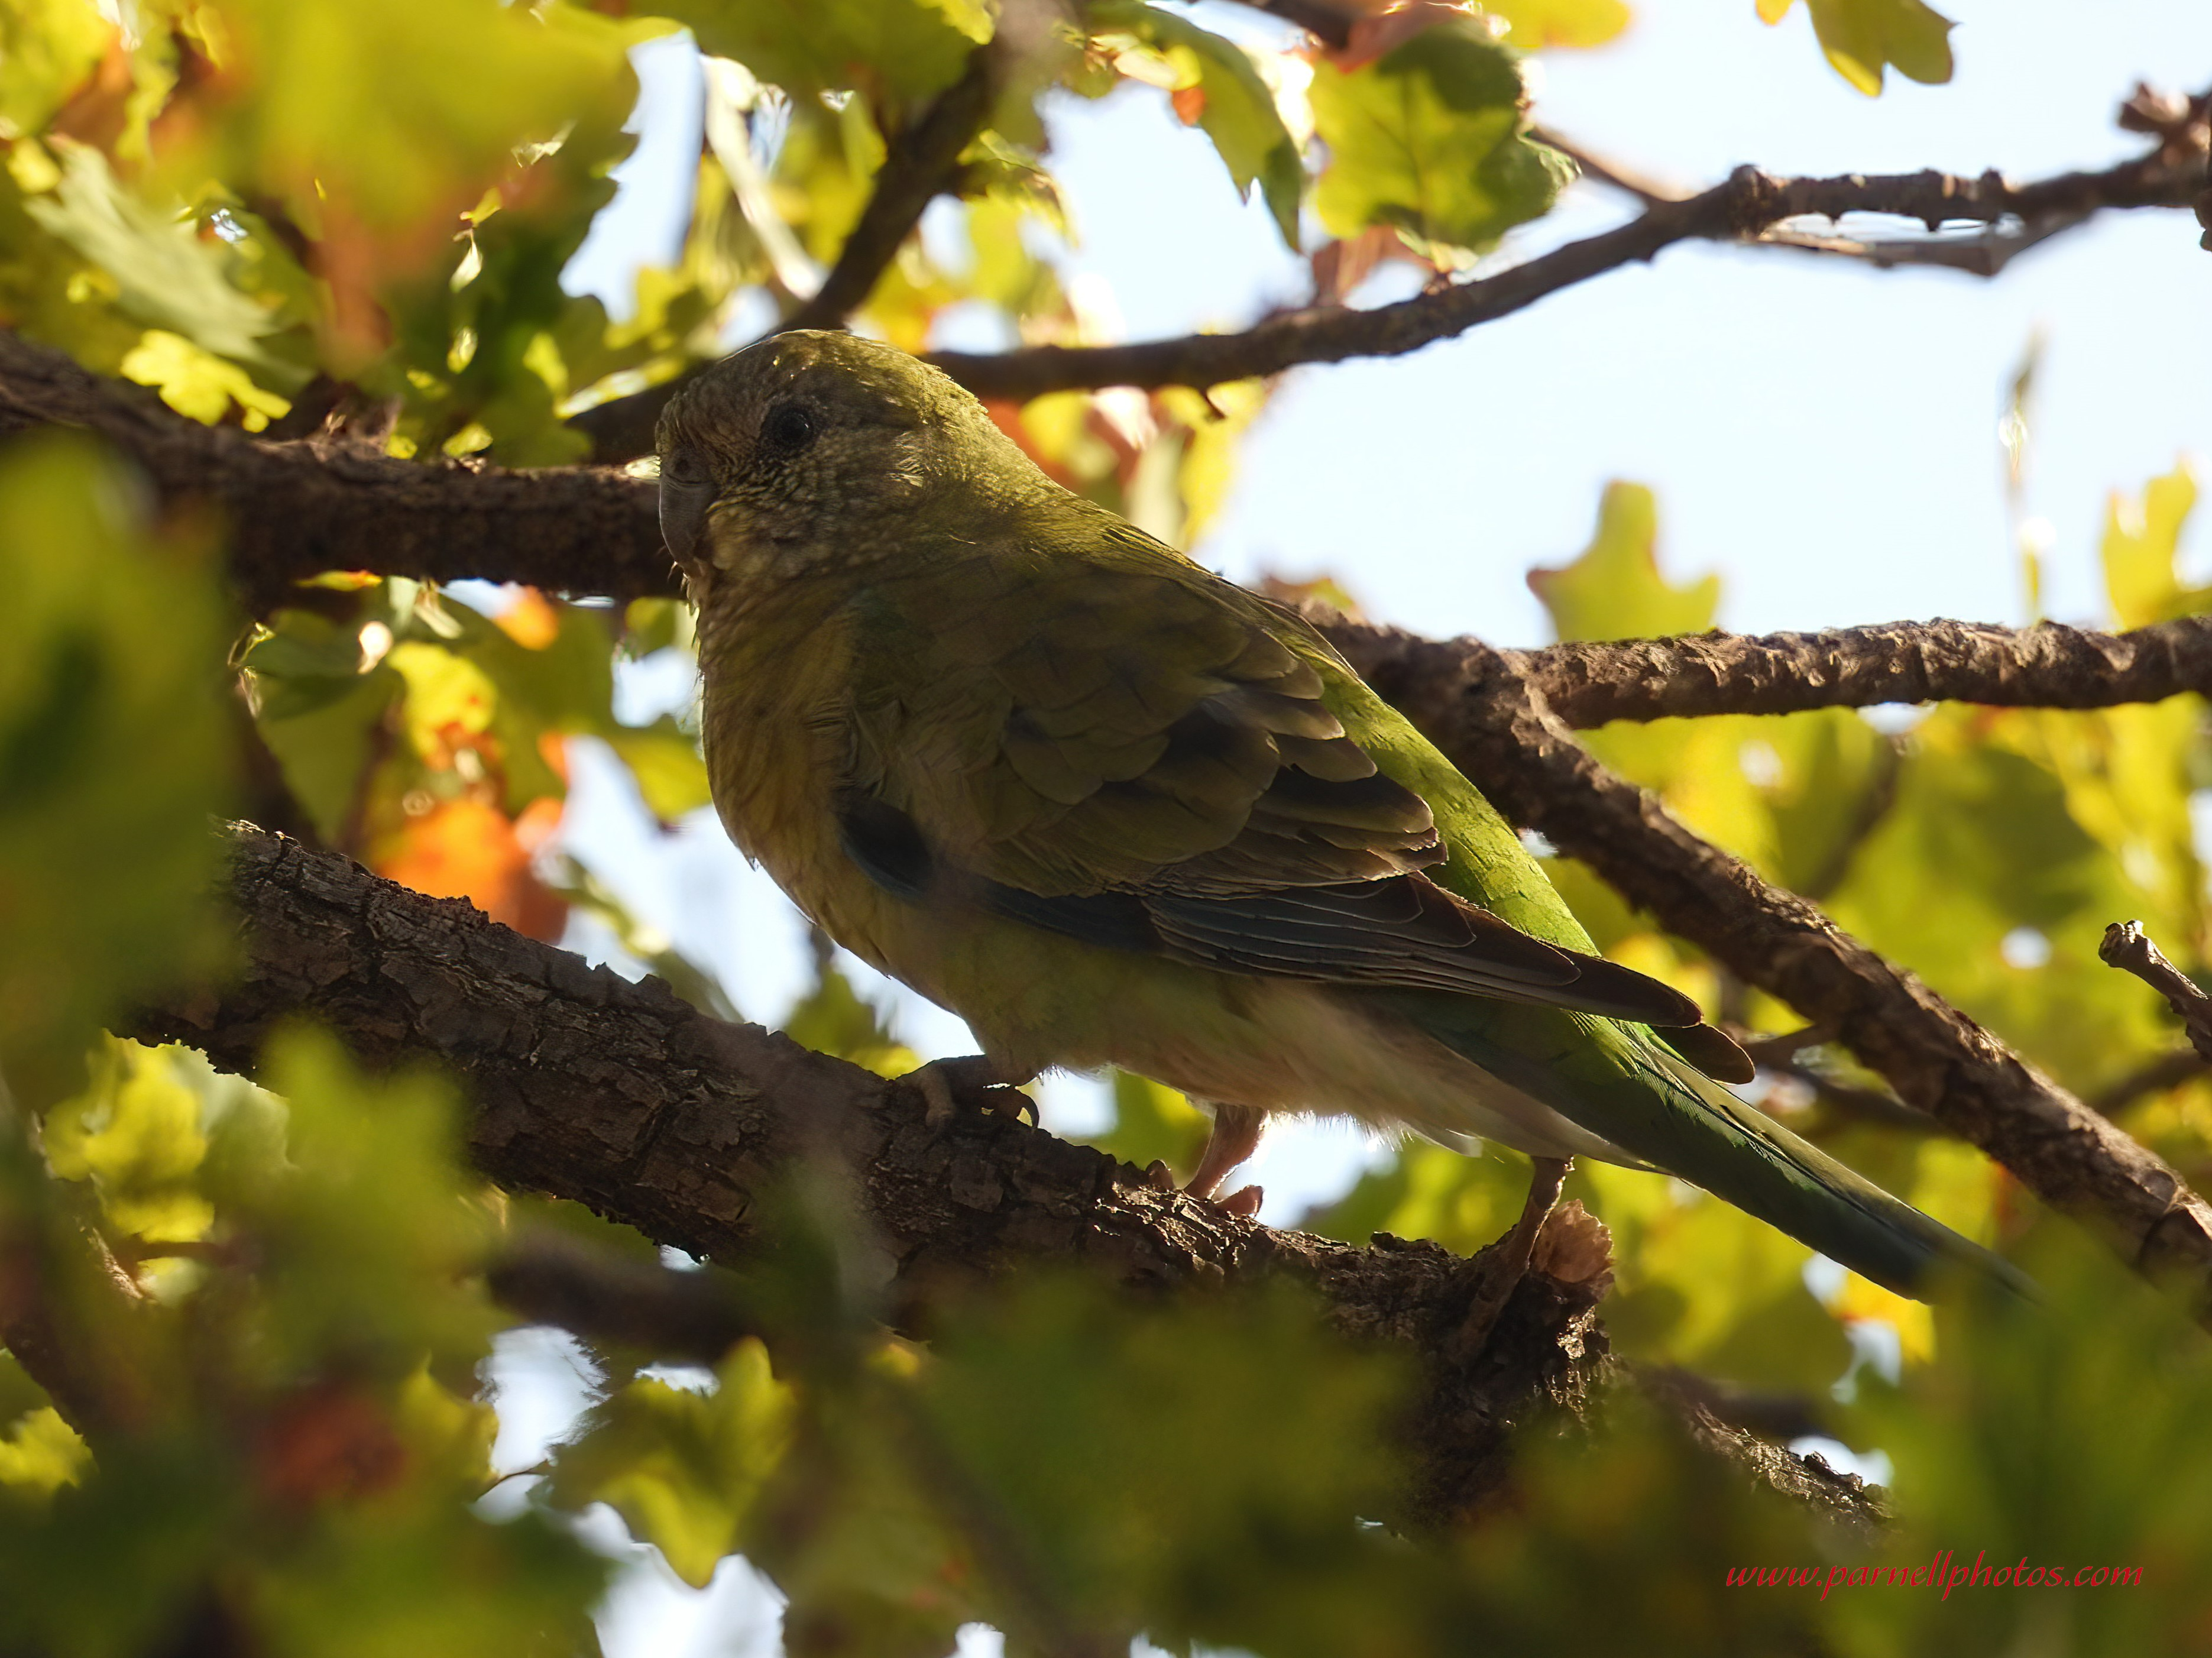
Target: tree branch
[[918, 165], [2050, 665], [301, 507], [1479, 708], [693, 1316], [296, 509], [585, 1086], [1743, 209], [2128, 948], [1747, 208]]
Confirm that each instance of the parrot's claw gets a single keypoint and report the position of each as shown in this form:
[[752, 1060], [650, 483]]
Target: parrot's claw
[[1243, 1203], [1505, 1263], [1159, 1176], [941, 1082]]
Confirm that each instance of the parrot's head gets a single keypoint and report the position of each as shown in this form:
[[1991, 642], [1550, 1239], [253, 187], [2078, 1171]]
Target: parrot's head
[[793, 452]]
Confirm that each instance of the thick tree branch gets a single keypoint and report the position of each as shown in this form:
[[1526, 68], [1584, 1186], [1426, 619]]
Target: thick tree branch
[[1481, 709], [295, 509], [585, 1086], [2050, 665]]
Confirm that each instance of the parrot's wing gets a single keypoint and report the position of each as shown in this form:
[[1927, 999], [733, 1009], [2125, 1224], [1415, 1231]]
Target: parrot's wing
[[1128, 753]]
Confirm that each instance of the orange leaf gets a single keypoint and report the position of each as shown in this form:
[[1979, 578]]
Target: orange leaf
[[531, 621], [468, 849]]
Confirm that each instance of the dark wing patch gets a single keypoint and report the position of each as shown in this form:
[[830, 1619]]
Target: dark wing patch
[[1402, 931], [1715, 1052]]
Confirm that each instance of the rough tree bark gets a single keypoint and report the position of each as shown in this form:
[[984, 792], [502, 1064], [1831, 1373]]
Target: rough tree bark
[[617, 1095]]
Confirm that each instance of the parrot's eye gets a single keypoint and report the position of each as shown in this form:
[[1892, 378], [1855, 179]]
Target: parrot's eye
[[788, 428]]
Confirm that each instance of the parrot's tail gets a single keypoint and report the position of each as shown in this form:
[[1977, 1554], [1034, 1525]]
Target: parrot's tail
[[1657, 1108]]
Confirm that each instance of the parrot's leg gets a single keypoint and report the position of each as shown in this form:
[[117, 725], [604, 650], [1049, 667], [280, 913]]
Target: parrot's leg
[[1234, 1137], [1501, 1274], [941, 1082]]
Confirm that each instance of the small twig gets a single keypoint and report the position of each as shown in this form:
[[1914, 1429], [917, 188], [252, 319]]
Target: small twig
[[1601, 169], [2168, 1071], [694, 1316], [1864, 1104], [1746, 209], [2128, 948], [920, 164], [1867, 812], [1774, 1053]]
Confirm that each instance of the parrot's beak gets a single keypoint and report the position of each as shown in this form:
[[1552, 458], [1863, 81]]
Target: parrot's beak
[[682, 518]]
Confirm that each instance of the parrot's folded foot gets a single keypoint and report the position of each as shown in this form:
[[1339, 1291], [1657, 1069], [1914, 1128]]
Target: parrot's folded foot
[[1243, 1203], [1505, 1263], [1235, 1136], [941, 1082]]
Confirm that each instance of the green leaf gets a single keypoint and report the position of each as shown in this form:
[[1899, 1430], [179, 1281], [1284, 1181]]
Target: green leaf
[[1430, 139], [2141, 547], [384, 119], [47, 48], [2072, 1434], [1992, 836], [167, 274], [137, 1134], [684, 1469], [1863, 37], [113, 751], [1539, 23], [39, 1454], [1615, 590], [367, 1232], [1195, 1471], [664, 760], [912, 47], [1217, 86], [1705, 1285]]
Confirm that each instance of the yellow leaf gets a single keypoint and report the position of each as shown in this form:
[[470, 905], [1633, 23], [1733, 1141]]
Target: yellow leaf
[[41, 1454], [1615, 590]]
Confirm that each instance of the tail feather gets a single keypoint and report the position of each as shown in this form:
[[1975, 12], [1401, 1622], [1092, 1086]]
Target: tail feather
[[1660, 1110]]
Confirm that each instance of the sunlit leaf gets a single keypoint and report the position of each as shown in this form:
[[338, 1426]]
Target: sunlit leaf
[[1863, 37], [1539, 23], [686, 1469], [1614, 589], [47, 48], [1428, 139], [168, 276], [2142, 538], [913, 47]]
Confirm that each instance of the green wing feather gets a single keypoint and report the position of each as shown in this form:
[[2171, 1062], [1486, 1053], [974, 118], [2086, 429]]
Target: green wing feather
[[1104, 739], [1080, 729]]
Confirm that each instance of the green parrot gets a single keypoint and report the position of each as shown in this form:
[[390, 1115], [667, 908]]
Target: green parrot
[[1113, 810]]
